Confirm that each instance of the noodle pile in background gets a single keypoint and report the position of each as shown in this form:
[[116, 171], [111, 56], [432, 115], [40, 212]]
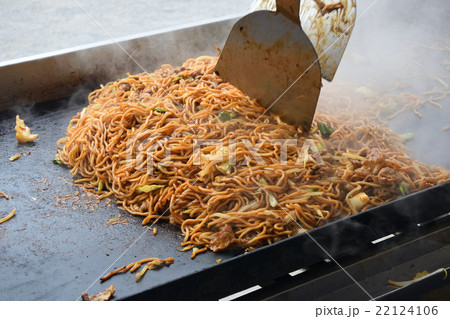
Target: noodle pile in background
[[119, 146]]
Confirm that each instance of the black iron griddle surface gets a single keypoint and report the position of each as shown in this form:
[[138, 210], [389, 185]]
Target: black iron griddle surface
[[55, 250]]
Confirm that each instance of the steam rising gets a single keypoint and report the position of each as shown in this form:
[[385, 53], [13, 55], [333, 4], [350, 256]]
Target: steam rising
[[403, 47]]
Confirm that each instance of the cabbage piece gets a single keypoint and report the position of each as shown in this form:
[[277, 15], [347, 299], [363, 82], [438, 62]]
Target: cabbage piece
[[404, 188], [405, 137], [358, 201], [325, 129], [14, 157], [141, 273], [225, 167], [148, 188], [23, 132], [57, 160], [272, 199]]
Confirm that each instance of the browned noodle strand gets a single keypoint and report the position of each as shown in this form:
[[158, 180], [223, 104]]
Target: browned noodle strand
[[120, 140], [153, 263], [8, 217]]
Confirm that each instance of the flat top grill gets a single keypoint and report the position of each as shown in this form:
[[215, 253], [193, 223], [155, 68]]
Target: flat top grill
[[57, 246]]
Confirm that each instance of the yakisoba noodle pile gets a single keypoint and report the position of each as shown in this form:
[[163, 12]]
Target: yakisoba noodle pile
[[119, 145]]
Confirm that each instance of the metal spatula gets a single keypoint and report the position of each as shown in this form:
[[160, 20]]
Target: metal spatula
[[269, 57]]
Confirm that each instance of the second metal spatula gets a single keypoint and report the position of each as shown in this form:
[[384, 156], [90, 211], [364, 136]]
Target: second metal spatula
[[269, 57]]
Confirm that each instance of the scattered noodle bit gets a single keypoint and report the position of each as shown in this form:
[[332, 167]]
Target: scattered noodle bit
[[154, 230], [152, 263], [196, 251], [14, 157], [4, 195], [188, 247], [101, 296], [417, 277], [4, 219], [62, 199], [23, 132], [446, 128], [116, 220], [123, 222], [66, 196], [218, 261]]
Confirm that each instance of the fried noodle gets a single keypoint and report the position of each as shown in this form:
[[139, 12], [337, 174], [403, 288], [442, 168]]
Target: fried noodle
[[123, 137]]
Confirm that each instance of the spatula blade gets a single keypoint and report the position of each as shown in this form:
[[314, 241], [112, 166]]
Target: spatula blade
[[271, 59]]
